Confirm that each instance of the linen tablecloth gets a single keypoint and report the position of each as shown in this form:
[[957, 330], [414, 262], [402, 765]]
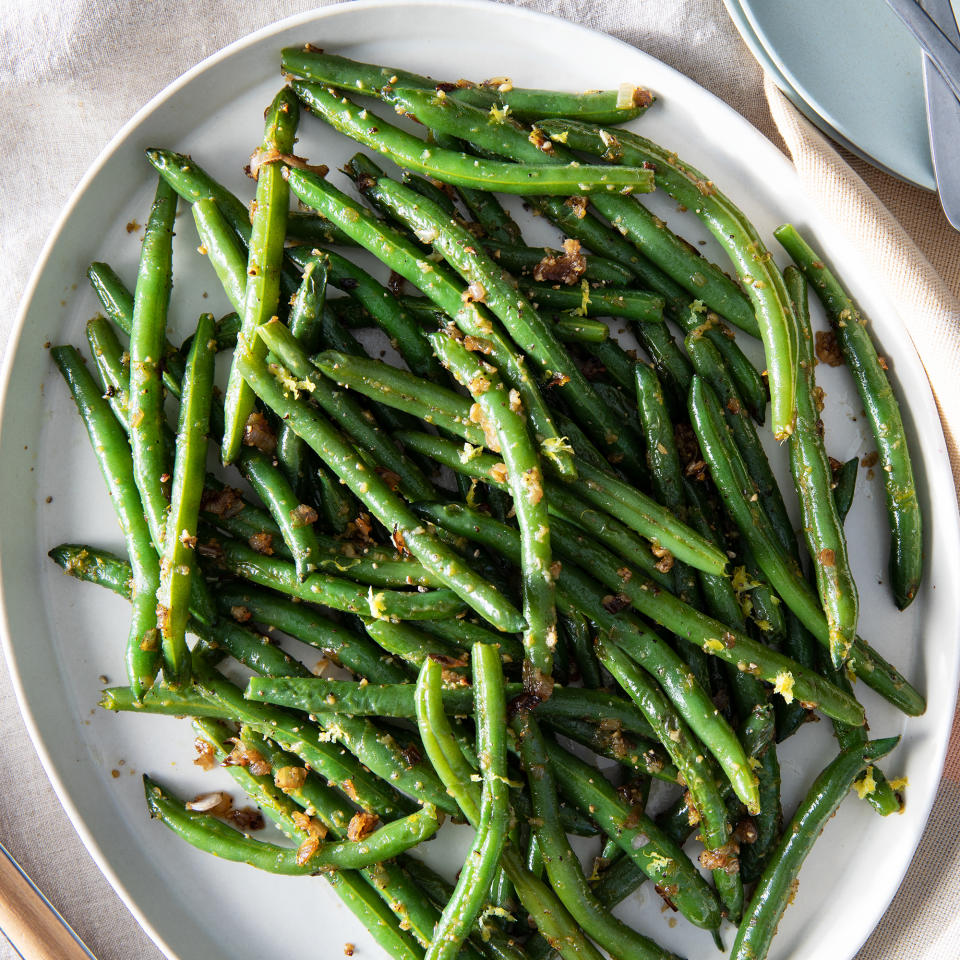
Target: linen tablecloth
[[72, 72]]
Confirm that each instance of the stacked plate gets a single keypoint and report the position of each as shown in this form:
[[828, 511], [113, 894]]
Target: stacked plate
[[851, 68]]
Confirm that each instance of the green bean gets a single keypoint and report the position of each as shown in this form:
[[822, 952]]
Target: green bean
[[438, 559], [147, 338], [268, 229], [708, 363], [345, 411], [480, 867], [525, 479], [684, 264], [249, 648], [430, 401], [462, 169], [114, 458], [777, 886], [757, 731], [350, 650], [844, 484], [705, 794], [406, 260], [178, 562], [109, 356], [596, 302], [163, 701], [488, 284], [757, 272], [207, 833], [812, 477], [560, 862], [736, 487], [659, 858], [466, 633], [871, 785], [319, 801], [883, 413], [602, 106], [304, 321], [411, 645], [222, 249], [452, 413], [338, 592]]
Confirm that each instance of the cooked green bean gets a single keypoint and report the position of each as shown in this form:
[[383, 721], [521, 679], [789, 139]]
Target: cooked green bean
[[639, 837], [208, 833], [345, 411], [876, 394], [113, 455], [268, 229], [525, 478], [821, 523], [147, 339], [306, 312], [337, 592], [600, 106], [492, 824], [777, 886], [178, 563], [488, 284], [462, 169]]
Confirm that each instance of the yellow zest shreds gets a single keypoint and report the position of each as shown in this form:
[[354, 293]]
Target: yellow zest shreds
[[581, 311], [712, 644], [901, 783], [470, 452], [552, 447], [741, 582], [783, 684], [656, 861], [499, 114], [376, 604], [866, 785], [754, 763]]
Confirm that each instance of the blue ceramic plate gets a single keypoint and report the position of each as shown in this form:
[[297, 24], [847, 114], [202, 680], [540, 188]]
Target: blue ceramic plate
[[855, 71]]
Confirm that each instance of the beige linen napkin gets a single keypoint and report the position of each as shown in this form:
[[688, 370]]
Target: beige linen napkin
[[922, 920]]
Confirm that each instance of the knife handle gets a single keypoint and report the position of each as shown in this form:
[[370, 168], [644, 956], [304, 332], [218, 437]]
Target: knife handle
[[31, 923]]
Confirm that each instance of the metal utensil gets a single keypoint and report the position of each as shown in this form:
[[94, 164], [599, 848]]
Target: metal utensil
[[30, 921], [943, 116], [932, 40]]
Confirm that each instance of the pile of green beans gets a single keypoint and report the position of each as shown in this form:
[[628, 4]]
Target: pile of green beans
[[527, 535]]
